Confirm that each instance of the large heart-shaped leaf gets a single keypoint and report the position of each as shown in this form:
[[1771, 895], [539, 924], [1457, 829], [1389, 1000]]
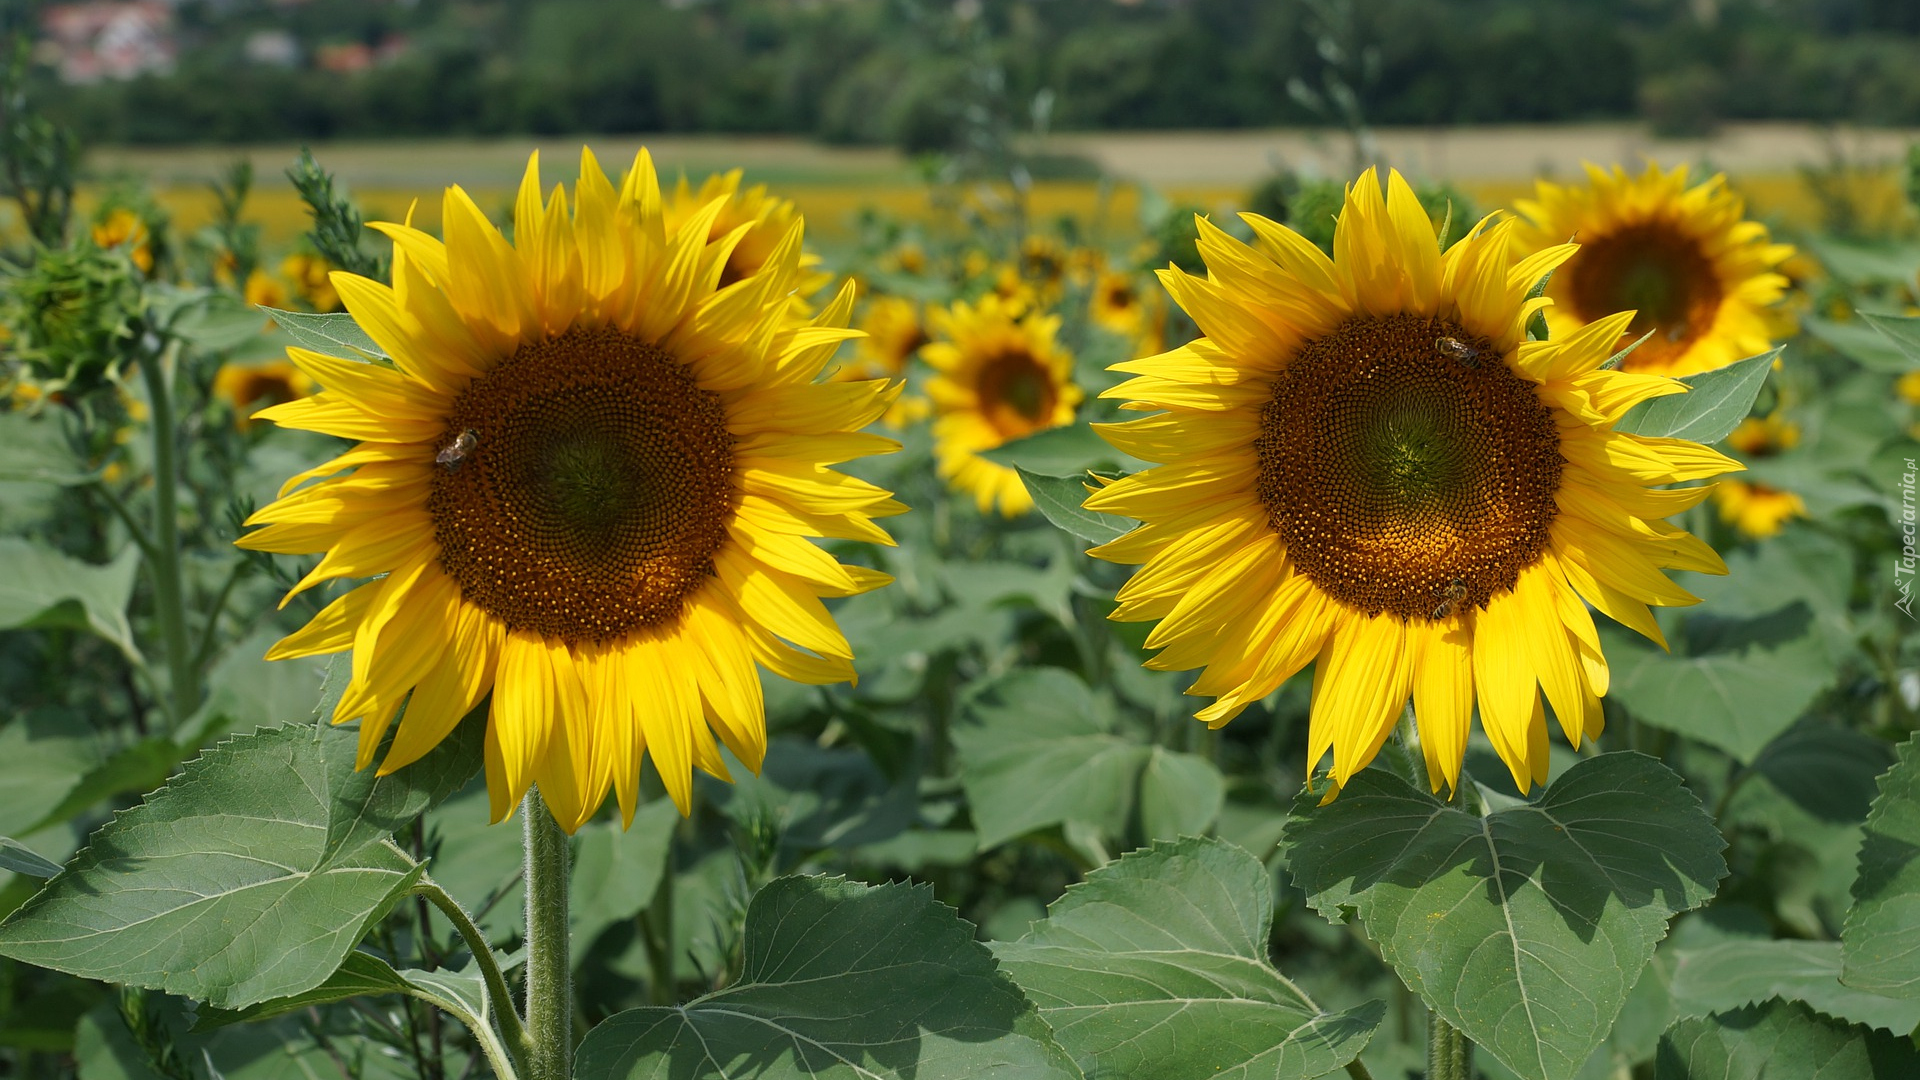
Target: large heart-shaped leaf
[[1038, 750], [1525, 928], [841, 981], [1733, 684], [1881, 943], [248, 877], [1156, 968]]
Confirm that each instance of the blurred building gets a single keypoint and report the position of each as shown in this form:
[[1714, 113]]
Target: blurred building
[[90, 42]]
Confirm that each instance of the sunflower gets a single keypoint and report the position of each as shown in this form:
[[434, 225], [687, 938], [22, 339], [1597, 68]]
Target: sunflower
[[262, 290], [1002, 377], [894, 333], [1698, 274], [587, 478], [767, 219], [275, 382], [1366, 467], [1757, 510], [312, 281], [1120, 305], [122, 228]]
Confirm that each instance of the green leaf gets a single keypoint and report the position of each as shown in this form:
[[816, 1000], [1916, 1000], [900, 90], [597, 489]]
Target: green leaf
[[1902, 330], [330, 335], [1061, 451], [42, 587], [840, 981], [246, 878], [21, 859], [1714, 404], [140, 767], [1525, 928], [359, 975], [1780, 1040], [1155, 968], [1742, 683], [1058, 499], [1860, 343], [1039, 752], [34, 448], [820, 797], [1738, 973], [460, 993], [616, 871], [245, 689], [1881, 942]]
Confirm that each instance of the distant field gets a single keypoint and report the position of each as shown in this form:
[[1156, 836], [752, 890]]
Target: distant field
[[1213, 170]]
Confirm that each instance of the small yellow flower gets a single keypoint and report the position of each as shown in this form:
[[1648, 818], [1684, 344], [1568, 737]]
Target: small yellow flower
[[311, 279], [894, 334], [908, 258], [766, 219], [1909, 387], [1121, 305], [1002, 377], [263, 290], [1686, 260], [250, 386], [124, 228]]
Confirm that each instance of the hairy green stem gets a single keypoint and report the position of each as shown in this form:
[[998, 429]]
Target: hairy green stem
[[1449, 1054], [169, 594], [498, 996], [549, 969]]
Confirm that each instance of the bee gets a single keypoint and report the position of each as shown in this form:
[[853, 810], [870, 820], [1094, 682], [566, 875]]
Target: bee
[[1459, 350], [1456, 591], [454, 454]]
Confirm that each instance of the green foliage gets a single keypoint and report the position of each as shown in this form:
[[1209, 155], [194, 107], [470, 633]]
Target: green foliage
[[248, 877], [1714, 404], [338, 226], [45, 588], [1058, 499], [1881, 944], [913, 996], [1779, 1039], [1739, 973], [72, 314], [334, 334], [1041, 750], [1156, 967], [1526, 927]]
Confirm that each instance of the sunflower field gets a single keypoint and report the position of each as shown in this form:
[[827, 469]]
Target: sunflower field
[[608, 632]]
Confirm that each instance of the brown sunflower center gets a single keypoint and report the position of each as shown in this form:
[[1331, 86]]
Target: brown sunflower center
[[1407, 467], [1017, 394], [1656, 271], [583, 487]]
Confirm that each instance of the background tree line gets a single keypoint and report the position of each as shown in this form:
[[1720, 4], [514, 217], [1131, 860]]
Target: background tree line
[[905, 72]]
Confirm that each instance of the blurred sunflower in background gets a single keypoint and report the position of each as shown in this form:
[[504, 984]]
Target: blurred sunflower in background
[[312, 281], [766, 219], [1686, 260], [122, 228], [1757, 510], [585, 486], [246, 387], [894, 333], [1368, 468], [1120, 305], [1001, 376]]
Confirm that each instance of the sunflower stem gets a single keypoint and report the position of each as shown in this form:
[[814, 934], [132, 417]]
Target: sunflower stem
[[1449, 1053], [549, 1034], [512, 1035], [169, 597]]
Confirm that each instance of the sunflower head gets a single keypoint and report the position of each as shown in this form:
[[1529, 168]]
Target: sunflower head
[[123, 229], [247, 386], [1001, 377], [1697, 274], [264, 290], [312, 281], [583, 487], [765, 217], [1757, 510], [1367, 468]]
